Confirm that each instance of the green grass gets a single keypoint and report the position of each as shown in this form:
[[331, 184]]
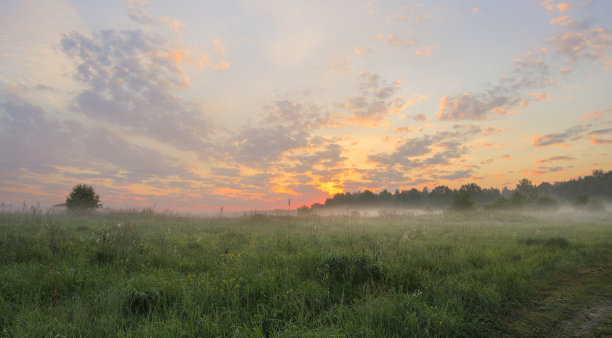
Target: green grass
[[136, 274]]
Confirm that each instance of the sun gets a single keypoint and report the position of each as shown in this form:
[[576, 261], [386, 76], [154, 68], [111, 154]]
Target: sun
[[331, 188]]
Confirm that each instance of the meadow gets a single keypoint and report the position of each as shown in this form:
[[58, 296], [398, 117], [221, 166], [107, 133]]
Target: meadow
[[150, 274]]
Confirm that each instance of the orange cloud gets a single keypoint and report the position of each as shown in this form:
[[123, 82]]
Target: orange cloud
[[555, 158], [563, 7], [424, 51], [360, 52], [179, 56], [531, 173], [406, 129], [548, 4], [397, 41], [561, 20], [339, 65], [592, 115], [597, 140], [507, 157], [540, 96], [489, 145], [400, 104], [173, 24]]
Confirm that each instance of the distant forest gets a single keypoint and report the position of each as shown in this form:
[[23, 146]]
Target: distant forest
[[583, 190]]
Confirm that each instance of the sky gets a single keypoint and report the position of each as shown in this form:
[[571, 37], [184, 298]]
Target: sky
[[197, 105]]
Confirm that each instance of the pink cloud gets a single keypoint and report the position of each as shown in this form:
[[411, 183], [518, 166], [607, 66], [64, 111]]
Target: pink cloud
[[563, 7]]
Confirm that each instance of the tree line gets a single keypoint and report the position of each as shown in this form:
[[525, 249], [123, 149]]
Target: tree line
[[585, 190]]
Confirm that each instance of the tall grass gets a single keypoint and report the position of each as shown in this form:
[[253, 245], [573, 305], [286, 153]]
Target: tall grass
[[164, 275]]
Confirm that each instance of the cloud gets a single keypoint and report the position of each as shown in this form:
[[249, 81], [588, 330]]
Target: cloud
[[131, 79], [561, 20], [360, 52], [424, 51], [395, 40], [600, 131], [492, 131], [33, 140], [590, 44], [405, 153], [540, 96], [592, 115], [374, 104], [137, 11], [329, 156], [477, 11], [420, 118], [457, 175], [479, 107], [563, 7], [340, 65], [595, 136], [557, 139], [556, 158], [530, 71], [406, 129], [542, 170], [429, 150], [261, 147], [30, 138]]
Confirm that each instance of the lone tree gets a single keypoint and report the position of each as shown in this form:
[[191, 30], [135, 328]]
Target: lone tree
[[83, 198]]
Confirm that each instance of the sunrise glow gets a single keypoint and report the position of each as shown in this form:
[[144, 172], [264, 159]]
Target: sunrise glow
[[200, 105]]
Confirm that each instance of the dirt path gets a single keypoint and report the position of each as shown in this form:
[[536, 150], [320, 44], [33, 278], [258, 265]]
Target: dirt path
[[594, 318], [572, 305]]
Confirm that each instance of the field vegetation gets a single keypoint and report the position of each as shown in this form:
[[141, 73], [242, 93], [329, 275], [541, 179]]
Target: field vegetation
[[148, 274]]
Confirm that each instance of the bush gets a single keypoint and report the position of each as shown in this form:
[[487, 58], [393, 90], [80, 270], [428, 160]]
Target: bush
[[83, 198]]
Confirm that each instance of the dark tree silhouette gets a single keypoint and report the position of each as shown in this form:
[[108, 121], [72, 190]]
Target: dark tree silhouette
[[83, 198]]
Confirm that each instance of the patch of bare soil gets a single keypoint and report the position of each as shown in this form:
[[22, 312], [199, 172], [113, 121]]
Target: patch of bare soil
[[576, 305], [590, 318]]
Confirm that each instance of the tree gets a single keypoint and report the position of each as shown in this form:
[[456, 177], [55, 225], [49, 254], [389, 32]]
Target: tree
[[83, 198], [525, 187], [462, 202]]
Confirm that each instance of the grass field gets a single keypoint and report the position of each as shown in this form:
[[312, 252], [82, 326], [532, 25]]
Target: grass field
[[451, 274]]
